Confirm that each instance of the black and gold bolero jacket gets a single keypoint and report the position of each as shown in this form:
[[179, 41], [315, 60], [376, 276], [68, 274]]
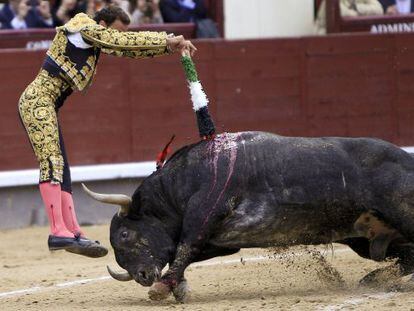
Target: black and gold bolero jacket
[[77, 65]]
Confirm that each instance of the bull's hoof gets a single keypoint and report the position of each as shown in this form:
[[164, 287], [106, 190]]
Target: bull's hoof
[[182, 292], [159, 291], [378, 246], [382, 277]]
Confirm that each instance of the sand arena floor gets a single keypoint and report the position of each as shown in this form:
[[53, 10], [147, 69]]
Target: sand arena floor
[[300, 278]]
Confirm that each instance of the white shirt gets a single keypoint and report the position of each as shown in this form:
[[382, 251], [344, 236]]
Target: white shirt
[[18, 23], [403, 6], [77, 40]]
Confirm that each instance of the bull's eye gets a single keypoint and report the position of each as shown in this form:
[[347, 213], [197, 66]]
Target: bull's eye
[[124, 234]]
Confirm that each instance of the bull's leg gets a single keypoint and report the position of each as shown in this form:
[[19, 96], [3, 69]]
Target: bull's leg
[[359, 245], [399, 249], [197, 226], [181, 292], [399, 213], [382, 276], [379, 233], [161, 291], [404, 251], [173, 280]]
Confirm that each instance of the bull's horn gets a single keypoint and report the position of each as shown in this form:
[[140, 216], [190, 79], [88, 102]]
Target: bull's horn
[[118, 199], [120, 276]]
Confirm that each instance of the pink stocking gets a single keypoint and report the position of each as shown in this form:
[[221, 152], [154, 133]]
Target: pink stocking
[[69, 215], [52, 199]]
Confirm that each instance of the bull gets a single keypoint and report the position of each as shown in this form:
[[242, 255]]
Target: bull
[[256, 189]]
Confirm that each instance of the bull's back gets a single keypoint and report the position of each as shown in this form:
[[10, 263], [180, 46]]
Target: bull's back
[[283, 189], [368, 153], [292, 169], [304, 190]]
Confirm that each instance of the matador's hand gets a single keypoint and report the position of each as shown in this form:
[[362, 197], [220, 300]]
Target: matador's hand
[[178, 43]]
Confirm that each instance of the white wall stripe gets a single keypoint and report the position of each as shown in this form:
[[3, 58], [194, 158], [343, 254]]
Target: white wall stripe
[[82, 173], [408, 149], [91, 172]]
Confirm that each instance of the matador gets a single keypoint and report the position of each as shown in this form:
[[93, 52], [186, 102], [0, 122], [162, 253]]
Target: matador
[[70, 66]]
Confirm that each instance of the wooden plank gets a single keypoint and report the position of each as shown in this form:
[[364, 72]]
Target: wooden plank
[[255, 49], [342, 96], [328, 126], [349, 65], [357, 85], [286, 66], [12, 59], [258, 89], [405, 73], [148, 143], [379, 126], [405, 128], [16, 152], [349, 44]]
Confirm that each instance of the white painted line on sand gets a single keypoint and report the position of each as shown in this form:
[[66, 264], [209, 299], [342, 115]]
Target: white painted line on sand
[[230, 261], [358, 300], [207, 263], [21, 291], [81, 282]]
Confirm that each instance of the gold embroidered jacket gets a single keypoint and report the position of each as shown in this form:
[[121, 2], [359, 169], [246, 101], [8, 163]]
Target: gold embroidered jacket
[[78, 65]]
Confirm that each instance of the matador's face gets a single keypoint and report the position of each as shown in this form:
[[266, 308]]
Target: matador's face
[[117, 24]]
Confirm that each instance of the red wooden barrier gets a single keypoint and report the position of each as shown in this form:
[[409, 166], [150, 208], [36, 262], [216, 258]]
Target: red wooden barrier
[[356, 85]]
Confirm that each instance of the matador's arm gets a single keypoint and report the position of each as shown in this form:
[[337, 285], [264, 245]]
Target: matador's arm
[[128, 44]]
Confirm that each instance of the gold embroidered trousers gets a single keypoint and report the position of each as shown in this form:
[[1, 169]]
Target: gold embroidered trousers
[[38, 107]]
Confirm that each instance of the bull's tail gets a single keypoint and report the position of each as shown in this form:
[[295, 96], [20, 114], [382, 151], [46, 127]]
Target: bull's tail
[[199, 98]]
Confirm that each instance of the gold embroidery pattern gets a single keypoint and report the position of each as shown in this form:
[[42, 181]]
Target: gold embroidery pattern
[[78, 22], [37, 111], [123, 44], [79, 79], [135, 54], [129, 43]]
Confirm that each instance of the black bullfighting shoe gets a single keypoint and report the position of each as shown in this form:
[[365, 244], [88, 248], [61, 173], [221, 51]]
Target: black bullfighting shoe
[[77, 245]]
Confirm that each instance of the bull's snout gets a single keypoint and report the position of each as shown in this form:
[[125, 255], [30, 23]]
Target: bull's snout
[[147, 276]]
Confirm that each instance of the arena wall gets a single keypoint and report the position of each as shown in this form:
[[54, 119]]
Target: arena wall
[[353, 85], [359, 85]]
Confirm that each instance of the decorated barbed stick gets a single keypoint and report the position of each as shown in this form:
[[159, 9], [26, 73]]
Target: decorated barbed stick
[[200, 106], [199, 98]]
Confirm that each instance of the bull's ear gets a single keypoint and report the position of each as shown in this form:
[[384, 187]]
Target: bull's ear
[[119, 199]]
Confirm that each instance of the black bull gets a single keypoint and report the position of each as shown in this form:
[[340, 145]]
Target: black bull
[[255, 189]]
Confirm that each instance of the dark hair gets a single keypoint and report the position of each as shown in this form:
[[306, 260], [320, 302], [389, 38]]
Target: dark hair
[[110, 14]]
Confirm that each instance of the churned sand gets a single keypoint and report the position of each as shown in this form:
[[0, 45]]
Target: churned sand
[[299, 278]]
